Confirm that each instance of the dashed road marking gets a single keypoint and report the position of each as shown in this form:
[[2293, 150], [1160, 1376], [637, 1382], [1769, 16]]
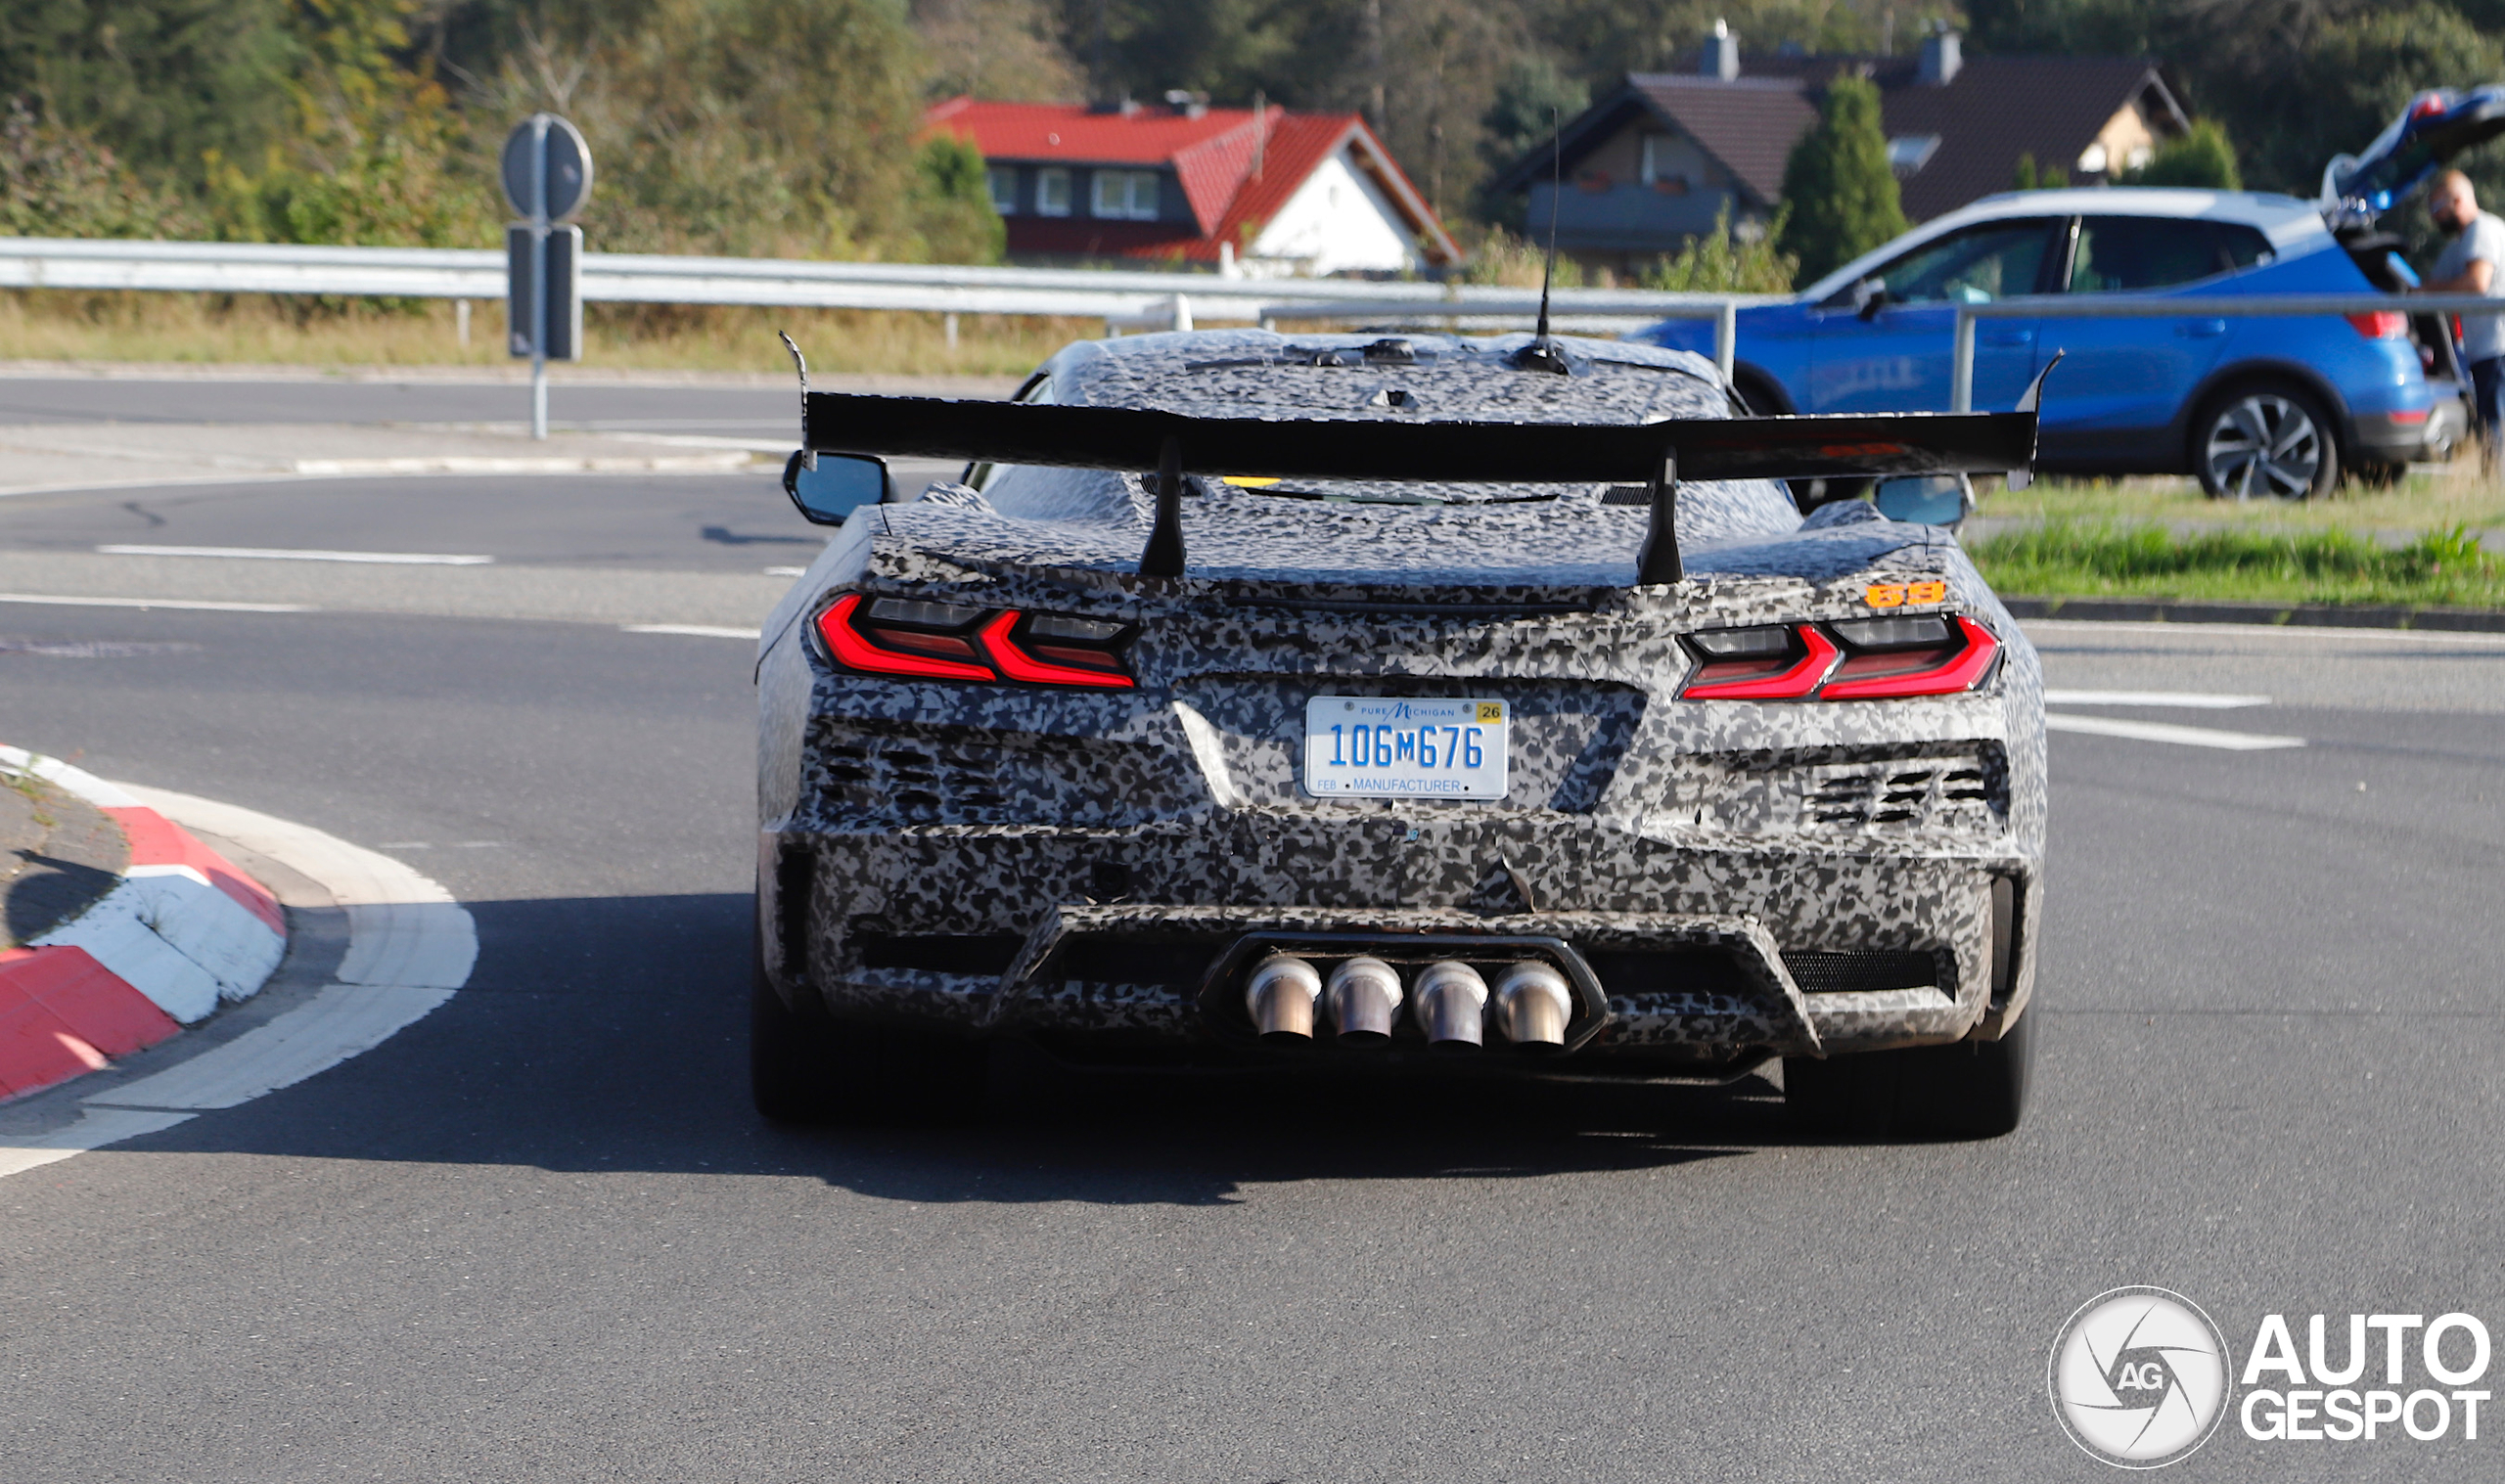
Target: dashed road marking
[[2164, 732], [691, 630], [291, 554], [2193, 700], [199, 604]]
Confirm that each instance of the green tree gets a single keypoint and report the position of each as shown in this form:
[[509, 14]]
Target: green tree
[[57, 181], [2026, 177], [159, 82], [1837, 185], [953, 205], [2203, 158], [375, 155]]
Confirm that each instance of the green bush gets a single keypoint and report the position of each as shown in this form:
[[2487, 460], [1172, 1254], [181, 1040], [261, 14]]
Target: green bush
[[2202, 159], [1719, 263], [1837, 184]]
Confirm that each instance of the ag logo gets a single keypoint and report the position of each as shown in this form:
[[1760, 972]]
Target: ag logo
[[2139, 1377]]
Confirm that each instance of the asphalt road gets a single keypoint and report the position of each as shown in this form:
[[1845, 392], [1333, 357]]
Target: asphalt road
[[540, 1236]]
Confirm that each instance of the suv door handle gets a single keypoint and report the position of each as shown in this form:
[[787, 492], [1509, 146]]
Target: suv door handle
[[2198, 330], [2010, 337]]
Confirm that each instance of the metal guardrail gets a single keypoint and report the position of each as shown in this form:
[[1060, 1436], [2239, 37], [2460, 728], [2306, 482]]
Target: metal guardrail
[[1123, 297], [2101, 306]]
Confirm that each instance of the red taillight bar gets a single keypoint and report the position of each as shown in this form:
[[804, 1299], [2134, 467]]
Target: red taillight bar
[[1017, 665], [2379, 324], [1959, 672], [1792, 684], [855, 650]]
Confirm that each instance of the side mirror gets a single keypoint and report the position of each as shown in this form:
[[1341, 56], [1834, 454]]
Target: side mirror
[[1869, 296], [1942, 500], [840, 485]]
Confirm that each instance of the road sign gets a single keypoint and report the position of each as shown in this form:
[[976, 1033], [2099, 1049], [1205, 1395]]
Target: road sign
[[565, 277], [546, 172], [567, 168]]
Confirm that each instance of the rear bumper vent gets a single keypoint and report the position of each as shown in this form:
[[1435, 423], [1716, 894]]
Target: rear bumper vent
[[1845, 973], [1699, 971], [941, 952], [1108, 958]]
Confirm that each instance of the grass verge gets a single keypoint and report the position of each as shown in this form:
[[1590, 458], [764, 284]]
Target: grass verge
[[268, 329], [2417, 502], [2072, 559]]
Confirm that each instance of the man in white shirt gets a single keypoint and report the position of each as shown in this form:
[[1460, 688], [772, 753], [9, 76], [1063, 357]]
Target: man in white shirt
[[2471, 264]]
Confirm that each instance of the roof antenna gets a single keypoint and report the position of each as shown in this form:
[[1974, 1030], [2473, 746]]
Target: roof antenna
[[1542, 354], [808, 450]]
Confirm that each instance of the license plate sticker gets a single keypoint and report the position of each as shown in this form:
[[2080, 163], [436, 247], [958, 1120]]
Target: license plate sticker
[[1379, 747]]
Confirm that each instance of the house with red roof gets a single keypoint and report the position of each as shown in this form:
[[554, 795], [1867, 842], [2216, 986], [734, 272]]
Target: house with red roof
[[1261, 192]]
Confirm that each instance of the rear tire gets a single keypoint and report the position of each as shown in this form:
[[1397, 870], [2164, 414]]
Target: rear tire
[[806, 1066], [2266, 438], [1964, 1090]]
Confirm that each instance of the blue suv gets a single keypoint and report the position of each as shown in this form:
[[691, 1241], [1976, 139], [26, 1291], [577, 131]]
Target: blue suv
[[2270, 405]]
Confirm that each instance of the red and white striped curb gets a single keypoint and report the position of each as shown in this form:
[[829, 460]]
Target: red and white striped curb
[[181, 932]]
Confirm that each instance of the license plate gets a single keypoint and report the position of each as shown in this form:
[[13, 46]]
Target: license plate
[[1377, 747]]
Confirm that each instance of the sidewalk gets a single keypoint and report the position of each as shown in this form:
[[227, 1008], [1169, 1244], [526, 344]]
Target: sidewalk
[[65, 456]]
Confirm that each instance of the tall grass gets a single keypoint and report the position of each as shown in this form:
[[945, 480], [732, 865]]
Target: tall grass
[[60, 325], [2447, 567]]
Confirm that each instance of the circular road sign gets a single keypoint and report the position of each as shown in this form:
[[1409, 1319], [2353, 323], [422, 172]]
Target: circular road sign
[[568, 166]]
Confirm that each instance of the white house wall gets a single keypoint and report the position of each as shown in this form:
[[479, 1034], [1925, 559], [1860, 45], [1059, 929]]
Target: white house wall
[[1337, 221]]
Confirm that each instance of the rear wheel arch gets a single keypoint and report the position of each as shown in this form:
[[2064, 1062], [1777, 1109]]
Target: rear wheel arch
[[1761, 390], [2265, 386]]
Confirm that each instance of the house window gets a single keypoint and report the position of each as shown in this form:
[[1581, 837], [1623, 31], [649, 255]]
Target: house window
[[1124, 195], [1052, 192], [1909, 152], [1003, 183]]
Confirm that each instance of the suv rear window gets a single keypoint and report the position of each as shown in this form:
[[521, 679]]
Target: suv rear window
[[2117, 254]]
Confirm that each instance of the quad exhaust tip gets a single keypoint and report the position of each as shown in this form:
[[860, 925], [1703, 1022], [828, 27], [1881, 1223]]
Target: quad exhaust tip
[[1280, 997], [1363, 996], [1533, 1002], [1451, 1005]]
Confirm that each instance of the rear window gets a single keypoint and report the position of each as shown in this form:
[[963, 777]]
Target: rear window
[[2118, 254]]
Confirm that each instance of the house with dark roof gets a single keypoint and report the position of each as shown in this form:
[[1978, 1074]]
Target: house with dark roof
[[1261, 192], [1652, 164]]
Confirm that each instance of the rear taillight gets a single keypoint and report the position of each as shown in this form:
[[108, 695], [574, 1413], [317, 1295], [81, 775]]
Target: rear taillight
[[2379, 324], [947, 640], [1861, 659], [1761, 664]]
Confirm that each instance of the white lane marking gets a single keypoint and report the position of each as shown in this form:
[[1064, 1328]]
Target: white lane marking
[[288, 554], [322, 1032], [787, 571], [2263, 630], [95, 1128], [692, 630], [2162, 732], [2195, 699], [410, 948], [194, 604]]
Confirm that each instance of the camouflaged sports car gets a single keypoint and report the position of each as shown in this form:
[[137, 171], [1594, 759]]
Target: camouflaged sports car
[[1482, 705]]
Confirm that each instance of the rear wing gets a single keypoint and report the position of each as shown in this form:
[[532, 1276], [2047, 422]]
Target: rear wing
[[1657, 455]]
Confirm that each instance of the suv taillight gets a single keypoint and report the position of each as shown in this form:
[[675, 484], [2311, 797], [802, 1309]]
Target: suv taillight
[[1857, 659], [948, 641], [2379, 324]]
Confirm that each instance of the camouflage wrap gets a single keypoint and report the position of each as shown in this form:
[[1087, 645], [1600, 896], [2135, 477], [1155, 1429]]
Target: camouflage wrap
[[1801, 841]]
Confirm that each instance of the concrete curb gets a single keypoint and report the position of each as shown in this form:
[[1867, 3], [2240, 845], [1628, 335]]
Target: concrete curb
[[410, 948], [181, 933], [2283, 614]]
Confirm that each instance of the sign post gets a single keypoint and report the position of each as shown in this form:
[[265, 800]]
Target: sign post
[[546, 173]]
